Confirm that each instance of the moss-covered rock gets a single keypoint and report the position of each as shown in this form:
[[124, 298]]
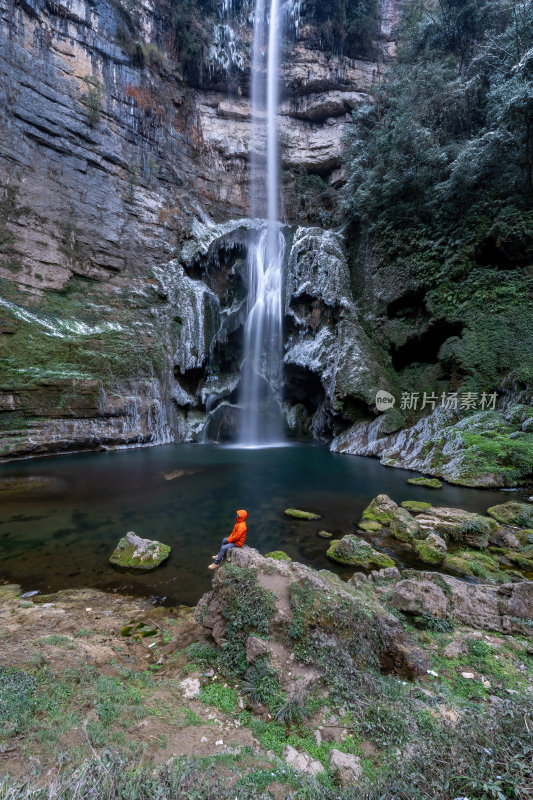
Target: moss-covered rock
[[380, 509], [525, 537], [431, 550], [369, 525], [404, 527], [357, 553], [513, 513], [476, 565], [297, 513], [325, 535], [132, 552], [429, 483], [415, 506], [278, 555], [523, 559], [459, 525]]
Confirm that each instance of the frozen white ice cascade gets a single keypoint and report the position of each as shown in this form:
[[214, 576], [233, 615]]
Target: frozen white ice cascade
[[262, 364]]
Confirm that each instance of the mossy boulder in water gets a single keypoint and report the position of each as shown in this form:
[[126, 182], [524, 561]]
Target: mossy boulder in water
[[513, 513], [297, 513], [415, 506], [132, 552], [429, 483], [404, 527], [380, 509], [357, 553], [325, 535], [431, 550]]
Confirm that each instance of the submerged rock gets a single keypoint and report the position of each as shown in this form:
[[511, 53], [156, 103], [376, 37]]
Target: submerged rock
[[357, 553], [325, 535], [132, 552], [381, 509], [297, 513], [513, 513]]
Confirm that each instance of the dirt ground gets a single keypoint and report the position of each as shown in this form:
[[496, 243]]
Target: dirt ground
[[84, 628]]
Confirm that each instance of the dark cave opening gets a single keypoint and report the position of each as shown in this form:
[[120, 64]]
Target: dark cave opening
[[411, 304], [190, 379], [302, 386], [424, 348]]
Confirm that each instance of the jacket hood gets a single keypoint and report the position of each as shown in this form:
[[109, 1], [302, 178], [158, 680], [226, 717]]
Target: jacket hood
[[242, 514]]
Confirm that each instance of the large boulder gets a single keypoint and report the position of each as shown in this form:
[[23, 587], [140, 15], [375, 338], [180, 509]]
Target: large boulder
[[473, 564], [355, 552], [381, 509], [403, 526], [135, 553], [460, 526], [512, 513], [507, 608], [302, 618], [419, 597]]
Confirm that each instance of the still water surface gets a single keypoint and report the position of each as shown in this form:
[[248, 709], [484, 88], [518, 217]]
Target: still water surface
[[60, 518]]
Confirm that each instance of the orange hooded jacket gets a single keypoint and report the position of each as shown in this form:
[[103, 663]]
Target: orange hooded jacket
[[238, 534]]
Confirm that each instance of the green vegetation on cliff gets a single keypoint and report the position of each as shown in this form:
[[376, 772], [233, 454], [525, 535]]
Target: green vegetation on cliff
[[440, 194]]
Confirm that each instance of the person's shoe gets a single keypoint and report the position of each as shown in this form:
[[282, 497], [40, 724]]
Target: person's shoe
[[213, 566], [214, 557]]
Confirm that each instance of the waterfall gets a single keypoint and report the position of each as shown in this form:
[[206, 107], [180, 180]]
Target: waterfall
[[261, 371]]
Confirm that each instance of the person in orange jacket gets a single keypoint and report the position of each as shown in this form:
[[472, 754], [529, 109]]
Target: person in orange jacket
[[236, 538]]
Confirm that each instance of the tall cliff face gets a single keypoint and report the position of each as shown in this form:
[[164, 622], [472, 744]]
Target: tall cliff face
[[122, 272]]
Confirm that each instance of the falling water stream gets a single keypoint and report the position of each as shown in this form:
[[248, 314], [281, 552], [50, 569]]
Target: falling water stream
[[261, 371]]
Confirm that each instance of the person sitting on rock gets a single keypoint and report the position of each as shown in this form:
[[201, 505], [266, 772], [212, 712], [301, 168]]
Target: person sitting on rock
[[236, 538]]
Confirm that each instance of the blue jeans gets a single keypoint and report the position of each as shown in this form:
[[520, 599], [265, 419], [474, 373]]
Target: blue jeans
[[225, 547]]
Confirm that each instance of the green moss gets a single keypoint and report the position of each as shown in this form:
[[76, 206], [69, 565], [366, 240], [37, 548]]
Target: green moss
[[296, 513], [325, 535], [380, 509], [513, 513], [356, 552], [429, 483], [498, 454], [123, 555], [415, 506], [427, 553], [369, 525], [278, 555], [476, 565]]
